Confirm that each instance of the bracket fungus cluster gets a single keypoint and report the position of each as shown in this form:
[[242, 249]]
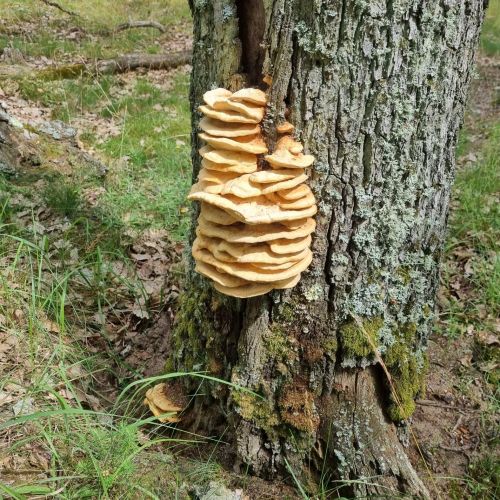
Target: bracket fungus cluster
[[255, 224]]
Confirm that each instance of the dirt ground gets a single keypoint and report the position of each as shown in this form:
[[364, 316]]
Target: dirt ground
[[454, 422]]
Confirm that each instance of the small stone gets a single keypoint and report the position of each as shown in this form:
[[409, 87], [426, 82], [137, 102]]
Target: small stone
[[218, 491], [23, 406]]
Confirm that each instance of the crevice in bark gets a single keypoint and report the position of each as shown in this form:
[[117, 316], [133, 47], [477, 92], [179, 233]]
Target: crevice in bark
[[252, 24], [327, 269], [367, 159], [342, 22]]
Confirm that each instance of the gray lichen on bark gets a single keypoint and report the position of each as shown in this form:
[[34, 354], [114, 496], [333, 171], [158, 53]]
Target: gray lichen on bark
[[376, 90]]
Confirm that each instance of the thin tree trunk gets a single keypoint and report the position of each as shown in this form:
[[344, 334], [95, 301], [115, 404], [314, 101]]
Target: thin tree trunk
[[376, 91]]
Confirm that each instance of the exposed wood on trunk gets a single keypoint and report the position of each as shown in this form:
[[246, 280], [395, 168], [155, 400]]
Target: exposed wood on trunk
[[141, 24], [376, 91], [251, 34], [121, 64]]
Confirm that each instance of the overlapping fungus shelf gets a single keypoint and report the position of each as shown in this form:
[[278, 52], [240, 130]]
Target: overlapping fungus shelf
[[255, 224]]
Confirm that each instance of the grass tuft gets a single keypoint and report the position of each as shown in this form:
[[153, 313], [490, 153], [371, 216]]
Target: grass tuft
[[63, 198]]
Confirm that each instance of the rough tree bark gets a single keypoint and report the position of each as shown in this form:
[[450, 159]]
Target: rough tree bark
[[376, 90]]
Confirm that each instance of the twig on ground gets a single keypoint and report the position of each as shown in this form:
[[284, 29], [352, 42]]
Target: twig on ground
[[426, 402], [51, 3], [456, 449], [459, 421], [141, 24], [132, 62], [121, 64]]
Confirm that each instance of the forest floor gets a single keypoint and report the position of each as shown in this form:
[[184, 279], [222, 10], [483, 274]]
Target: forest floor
[[93, 218]]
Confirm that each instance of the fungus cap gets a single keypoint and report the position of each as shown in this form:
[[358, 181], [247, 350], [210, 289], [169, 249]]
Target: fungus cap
[[295, 224], [218, 276], [282, 246], [248, 144], [261, 259], [254, 96], [264, 266], [290, 144], [285, 128], [258, 210], [284, 159], [227, 116], [218, 99], [225, 157], [245, 108], [245, 291], [242, 187], [224, 129], [306, 201], [157, 412], [158, 396], [289, 183], [270, 176], [217, 215], [212, 188], [242, 168], [255, 289], [259, 253], [213, 96], [159, 403], [216, 176], [296, 192]]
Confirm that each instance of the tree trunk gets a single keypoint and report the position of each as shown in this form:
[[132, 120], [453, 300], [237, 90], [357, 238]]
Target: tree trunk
[[376, 91]]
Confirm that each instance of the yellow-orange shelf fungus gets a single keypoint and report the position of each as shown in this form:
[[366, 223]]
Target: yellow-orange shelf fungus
[[255, 224]]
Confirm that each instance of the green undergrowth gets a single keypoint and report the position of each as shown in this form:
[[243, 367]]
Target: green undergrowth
[[61, 433], [490, 39], [67, 98], [89, 34], [471, 300], [473, 243], [476, 215], [139, 127], [143, 138], [61, 429], [150, 179]]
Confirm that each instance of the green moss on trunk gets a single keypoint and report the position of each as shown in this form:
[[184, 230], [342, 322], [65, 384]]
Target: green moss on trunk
[[407, 366], [405, 362], [360, 340], [256, 410], [196, 340]]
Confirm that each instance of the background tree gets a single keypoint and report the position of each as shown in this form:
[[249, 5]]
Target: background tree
[[376, 91]]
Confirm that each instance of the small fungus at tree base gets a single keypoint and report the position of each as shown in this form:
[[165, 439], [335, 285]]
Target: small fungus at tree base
[[165, 403]]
